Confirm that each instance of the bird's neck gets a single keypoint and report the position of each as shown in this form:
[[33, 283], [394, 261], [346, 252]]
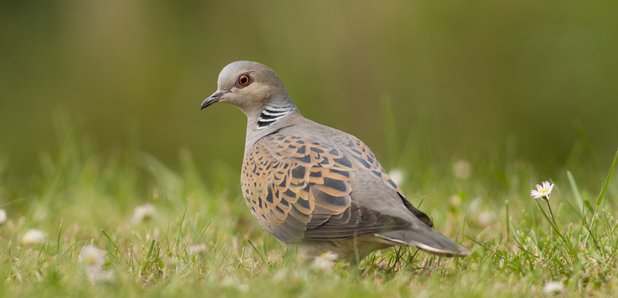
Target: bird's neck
[[269, 118], [272, 114]]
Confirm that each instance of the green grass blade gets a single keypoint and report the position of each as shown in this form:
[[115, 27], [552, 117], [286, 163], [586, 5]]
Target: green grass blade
[[116, 253], [577, 194], [607, 180]]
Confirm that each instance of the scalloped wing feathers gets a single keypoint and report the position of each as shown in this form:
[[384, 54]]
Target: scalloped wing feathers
[[301, 188]]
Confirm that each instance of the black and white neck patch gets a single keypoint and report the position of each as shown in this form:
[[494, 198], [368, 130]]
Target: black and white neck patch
[[272, 114]]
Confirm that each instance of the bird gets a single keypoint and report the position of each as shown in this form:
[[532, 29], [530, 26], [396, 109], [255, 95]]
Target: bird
[[315, 187]]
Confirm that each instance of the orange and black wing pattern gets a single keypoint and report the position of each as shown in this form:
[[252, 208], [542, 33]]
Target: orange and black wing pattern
[[300, 189]]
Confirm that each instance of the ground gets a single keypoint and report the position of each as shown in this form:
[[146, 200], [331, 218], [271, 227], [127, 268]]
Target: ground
[[171, 232]]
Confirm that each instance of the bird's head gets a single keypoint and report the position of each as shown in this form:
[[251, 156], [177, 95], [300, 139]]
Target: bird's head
[[247, 85]]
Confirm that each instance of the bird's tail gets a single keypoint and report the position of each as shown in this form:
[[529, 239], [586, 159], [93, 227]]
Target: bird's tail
[[425, 238]]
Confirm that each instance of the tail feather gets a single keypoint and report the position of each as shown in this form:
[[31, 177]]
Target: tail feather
[[425, 239]]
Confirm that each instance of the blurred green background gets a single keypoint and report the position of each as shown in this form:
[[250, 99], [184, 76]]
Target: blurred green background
[[455, 78]]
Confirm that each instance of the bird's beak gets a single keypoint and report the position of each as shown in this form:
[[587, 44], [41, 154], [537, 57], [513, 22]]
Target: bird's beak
[[215, 97]]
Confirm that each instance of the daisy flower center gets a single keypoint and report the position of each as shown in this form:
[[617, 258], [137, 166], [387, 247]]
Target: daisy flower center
[[91, 260]]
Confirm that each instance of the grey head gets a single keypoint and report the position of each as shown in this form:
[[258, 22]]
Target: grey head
[[250, 86], [257, 91]]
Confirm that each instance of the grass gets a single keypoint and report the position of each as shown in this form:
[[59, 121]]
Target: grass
[[83, 197]]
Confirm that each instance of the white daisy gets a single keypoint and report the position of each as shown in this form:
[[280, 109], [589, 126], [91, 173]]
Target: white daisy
[[2, 216], [542, 191], [196, 249], [462, 169], [553, 287], [92, 256], [33, 237], [485, 218], [325, 261], [143, 212]]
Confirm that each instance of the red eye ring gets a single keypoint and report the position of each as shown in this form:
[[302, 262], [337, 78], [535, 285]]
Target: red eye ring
[[244, 80]]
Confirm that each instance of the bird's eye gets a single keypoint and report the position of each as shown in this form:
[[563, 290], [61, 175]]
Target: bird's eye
[[243, 81]]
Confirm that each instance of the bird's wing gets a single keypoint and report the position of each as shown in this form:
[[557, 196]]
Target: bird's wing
[[362, 154], [300, 188]]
